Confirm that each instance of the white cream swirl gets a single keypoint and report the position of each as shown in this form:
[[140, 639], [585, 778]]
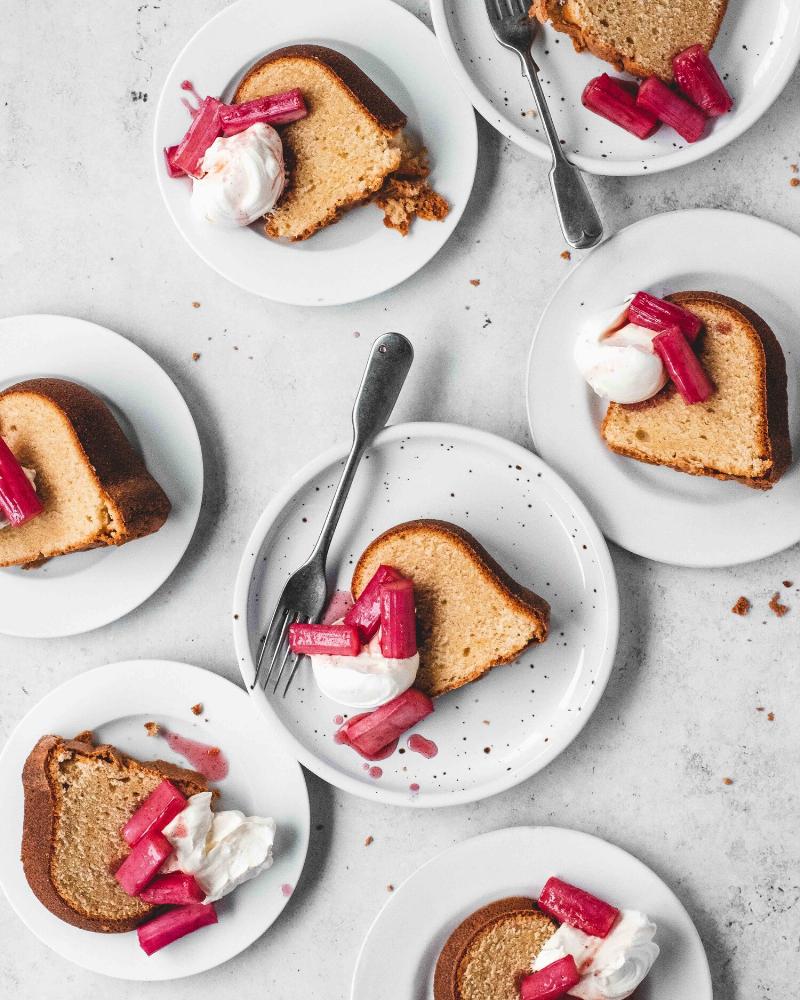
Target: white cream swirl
[[243, 177], [610, 968]]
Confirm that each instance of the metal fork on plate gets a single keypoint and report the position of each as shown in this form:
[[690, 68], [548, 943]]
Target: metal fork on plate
[[579, 220], [304, 596]]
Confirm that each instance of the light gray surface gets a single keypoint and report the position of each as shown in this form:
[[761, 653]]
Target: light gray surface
[[84, 233]]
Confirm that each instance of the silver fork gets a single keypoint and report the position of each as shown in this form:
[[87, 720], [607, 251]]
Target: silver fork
[[579, 220], [304, 596]]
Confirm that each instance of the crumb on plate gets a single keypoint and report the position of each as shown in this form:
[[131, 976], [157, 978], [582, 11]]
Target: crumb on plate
[[776, 607], [198, 708], [741, 607], [152, 728], [195, 355], [566, 255]]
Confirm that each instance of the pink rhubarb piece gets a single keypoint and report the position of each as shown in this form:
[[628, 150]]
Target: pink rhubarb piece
[[683, 366], [365, 614], [672, 109], [658, 314], [143, 863], [329, 640], [175, 889], [160, 807], [551, 982], [205, 128], [174, 924], [18, 499], [398, 620], [612, 100], [370, 733], [275, 109], [573, 906], [698, 78]]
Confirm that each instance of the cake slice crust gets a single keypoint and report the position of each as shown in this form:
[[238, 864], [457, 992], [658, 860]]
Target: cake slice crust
[[742, 432], [635, 35], [78, 797], [471, 614], [96, 489]]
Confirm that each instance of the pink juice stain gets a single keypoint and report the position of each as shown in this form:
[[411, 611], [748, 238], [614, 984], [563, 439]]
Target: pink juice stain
[[418, 744], [286, 889], [187, 85], [209, 760], [339, 605], [413, 788], [338, 720], [376, 772]]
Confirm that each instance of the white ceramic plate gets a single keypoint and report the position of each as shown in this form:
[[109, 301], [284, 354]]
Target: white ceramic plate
[[357, 257], [84, 590], [513, 862], [756, 53], [504, 728], [114, 702], [655, 512]]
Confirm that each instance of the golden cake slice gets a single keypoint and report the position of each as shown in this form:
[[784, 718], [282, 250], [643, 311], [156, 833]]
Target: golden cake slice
[[471, 615], [95, 488], [639, 36], [347, 149], [78, 798], [742, 431]]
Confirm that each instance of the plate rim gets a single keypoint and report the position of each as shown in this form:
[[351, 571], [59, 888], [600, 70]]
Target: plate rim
[[453, 219], [191, 444], [594, 165], [241, 637], [578, 835], [192, 669], [684, 561]]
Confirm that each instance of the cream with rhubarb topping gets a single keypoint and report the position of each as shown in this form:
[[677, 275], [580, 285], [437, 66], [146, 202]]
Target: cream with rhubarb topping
[[617, 358], [243, 177], [610, 968], [220, 849], [364, 681]]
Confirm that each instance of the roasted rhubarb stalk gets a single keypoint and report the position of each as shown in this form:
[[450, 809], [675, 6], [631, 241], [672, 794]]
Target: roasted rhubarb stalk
[[371, 733], [174, 924], [173, 889], [365, 614], [328, 640], [573, 906], [18, 499], [206, 126], [160, 807], [672, 109], [275, 109], [698, 78], [612, 100], [683, 366], [551, 982], [142, 864], [398, 620], [658, 314], [172, 167]]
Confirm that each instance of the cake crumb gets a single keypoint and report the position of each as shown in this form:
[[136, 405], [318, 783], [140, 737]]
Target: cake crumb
[[195, 355], [741, 607], [566, 255], [152, 728], [770, 716], [776, 607], [369, 840], [787, 584], [390, 887], [727, 781], [794, 168], [794, 182], [198, 708], [195, 305], [475, 282]]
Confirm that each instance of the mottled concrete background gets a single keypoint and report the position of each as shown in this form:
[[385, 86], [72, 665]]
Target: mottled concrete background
[[84, 233]]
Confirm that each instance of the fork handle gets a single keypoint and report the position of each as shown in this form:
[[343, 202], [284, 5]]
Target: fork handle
[[389, 362], [577, 215]]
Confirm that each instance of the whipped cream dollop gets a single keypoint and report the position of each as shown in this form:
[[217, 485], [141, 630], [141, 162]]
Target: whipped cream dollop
[[617, 358], [31, 474], [364, 681], [221, 849], [611, 967], [244, 175]]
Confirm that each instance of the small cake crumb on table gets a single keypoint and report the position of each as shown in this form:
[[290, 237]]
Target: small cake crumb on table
[[152, 728], [198, 708], [727, 781], [741, 607], [369, 840], [776, 607], [195, 355], [475, 282], [566, 255]]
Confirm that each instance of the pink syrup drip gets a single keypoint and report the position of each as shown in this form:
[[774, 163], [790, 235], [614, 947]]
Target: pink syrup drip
[[339, 605], [418, 744], [340, 736], [286, 889], [208, 760], [376, 772], [338, 720], [414, 787], [191, 108]]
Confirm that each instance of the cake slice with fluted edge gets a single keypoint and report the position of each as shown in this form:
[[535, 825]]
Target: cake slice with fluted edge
[[742, 431], [471, 615], [639, 36]]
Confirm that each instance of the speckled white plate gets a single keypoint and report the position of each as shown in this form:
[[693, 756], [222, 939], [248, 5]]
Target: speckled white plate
[[429, 905], [656, 512], [84, 590], [500, 730], [756, 53], [359, 256], [115, 701]]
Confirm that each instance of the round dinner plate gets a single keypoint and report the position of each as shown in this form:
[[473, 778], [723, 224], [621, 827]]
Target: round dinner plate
[[359, 256], [657, 512], [115, 701], [517, 862], [500, 730], [84, 590], [756, 52]]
